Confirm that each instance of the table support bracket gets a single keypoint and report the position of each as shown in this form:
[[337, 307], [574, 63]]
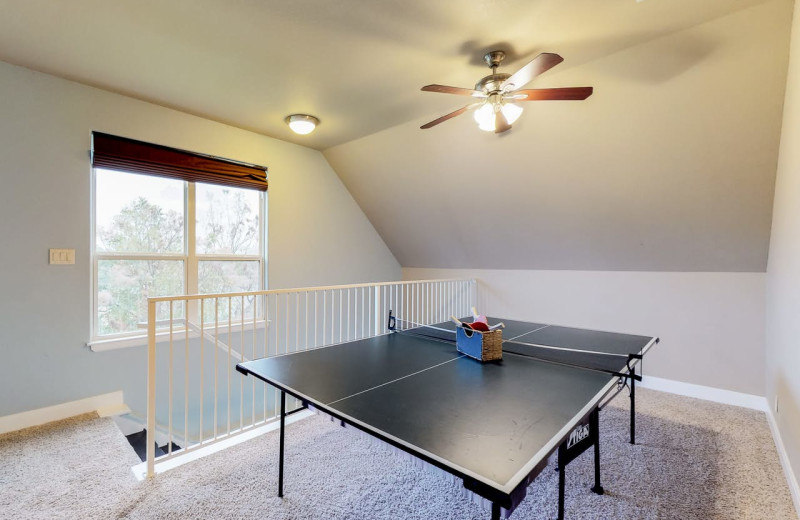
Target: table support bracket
[[594, 421], [585, 435]]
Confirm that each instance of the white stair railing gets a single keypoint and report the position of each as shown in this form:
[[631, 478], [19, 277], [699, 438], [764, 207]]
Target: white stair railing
[[194, 393]]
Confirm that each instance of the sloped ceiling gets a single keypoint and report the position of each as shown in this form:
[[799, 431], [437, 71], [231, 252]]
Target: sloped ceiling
[[669, 166], [355, 64]]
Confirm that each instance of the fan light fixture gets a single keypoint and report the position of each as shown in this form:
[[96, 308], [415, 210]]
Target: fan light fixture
[[498, 94], [485, 114], [302, 123]]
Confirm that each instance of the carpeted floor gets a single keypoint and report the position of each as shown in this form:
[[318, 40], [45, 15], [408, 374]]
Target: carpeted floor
[[693, 459]]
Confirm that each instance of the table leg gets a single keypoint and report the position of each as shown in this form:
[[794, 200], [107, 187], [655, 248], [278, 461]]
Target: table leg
[[633, 406], [280, 459], [560, 490], [495, 511]]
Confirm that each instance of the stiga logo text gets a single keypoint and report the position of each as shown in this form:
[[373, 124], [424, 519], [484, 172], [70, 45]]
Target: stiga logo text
[[577, 435]]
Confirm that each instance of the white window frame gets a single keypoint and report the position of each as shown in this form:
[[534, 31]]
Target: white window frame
[[191, 262]]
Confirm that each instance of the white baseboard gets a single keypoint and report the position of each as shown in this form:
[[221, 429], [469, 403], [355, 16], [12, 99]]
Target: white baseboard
[[794, 488], [706, 393], [105, 402], [753, 402]]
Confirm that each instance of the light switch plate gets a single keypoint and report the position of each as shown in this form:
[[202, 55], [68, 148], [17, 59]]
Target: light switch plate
[[62, 256]]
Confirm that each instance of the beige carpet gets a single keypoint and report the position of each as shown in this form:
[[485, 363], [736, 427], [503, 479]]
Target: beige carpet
[[75, 468], [694, 460]]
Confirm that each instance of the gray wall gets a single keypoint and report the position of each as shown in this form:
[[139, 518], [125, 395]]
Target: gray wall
[[317, 233], [783, 273], [711, 325]]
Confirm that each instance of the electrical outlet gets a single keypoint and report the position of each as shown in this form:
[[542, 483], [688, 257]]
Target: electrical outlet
[[62, 256], [776, 403]]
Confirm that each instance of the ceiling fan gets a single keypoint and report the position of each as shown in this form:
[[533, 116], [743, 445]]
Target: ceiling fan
[[499, 93]]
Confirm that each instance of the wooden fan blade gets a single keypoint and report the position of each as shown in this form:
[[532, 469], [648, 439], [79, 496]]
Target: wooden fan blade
[[552, 94], [444, 89], [446, 117], [500, 123], [539, 64]]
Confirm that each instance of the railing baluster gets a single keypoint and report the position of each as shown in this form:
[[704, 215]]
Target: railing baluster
[[416, 303], [453, 302], [363, 307], [202, 386], [266, 345], [286, 325], [241, 350], [427, 303], [305, 322], [378, 310], [348, 315], [253, 388], [297, 322], [230, 335], [277, 341], [402, 307], [417, 317], [458, 302], [407, 290], [355, 312], [171, 370], [442, 302], [441, 317], [151, 388], [216, 368], [186, 383], [435, 304]]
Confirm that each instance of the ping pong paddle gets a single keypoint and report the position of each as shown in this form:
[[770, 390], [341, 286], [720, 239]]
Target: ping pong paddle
[[479, 325], [479, 318]]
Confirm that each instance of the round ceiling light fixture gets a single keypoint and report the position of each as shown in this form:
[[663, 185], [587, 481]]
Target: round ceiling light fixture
[[302, 123]]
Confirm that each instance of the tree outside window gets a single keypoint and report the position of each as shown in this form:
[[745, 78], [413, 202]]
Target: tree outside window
[[143, 232]]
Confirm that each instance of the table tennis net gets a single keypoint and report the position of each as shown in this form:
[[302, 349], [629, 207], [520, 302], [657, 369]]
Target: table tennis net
[[586, 358]]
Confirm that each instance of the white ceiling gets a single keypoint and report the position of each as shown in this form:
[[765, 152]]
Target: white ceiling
[[357, 65]]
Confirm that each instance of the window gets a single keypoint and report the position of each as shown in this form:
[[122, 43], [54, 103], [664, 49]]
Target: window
[[158, 235]]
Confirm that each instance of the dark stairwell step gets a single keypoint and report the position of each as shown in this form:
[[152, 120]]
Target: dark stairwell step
[[138, 442]]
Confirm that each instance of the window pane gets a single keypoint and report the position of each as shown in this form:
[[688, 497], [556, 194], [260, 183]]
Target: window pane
[[220, 276], [138, 213], [123, 287], [227, 220]]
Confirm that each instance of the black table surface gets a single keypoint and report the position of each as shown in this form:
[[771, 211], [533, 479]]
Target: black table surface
[[493, 421]]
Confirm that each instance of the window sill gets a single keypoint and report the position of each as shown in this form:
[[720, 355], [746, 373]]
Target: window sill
[[140, 340]]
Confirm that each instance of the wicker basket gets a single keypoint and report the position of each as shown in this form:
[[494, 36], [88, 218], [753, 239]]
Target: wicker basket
[[483, 346]]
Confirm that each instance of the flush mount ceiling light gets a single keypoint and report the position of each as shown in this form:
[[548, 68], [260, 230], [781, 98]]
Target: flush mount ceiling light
[[302, 123]]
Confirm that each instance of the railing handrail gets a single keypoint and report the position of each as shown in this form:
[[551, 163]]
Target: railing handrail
[[297, 290]]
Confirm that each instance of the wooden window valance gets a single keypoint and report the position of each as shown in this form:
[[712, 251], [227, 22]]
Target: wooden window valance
[[120, 153]]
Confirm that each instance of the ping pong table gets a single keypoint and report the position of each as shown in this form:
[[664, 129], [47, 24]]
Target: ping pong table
[[493, 425]]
